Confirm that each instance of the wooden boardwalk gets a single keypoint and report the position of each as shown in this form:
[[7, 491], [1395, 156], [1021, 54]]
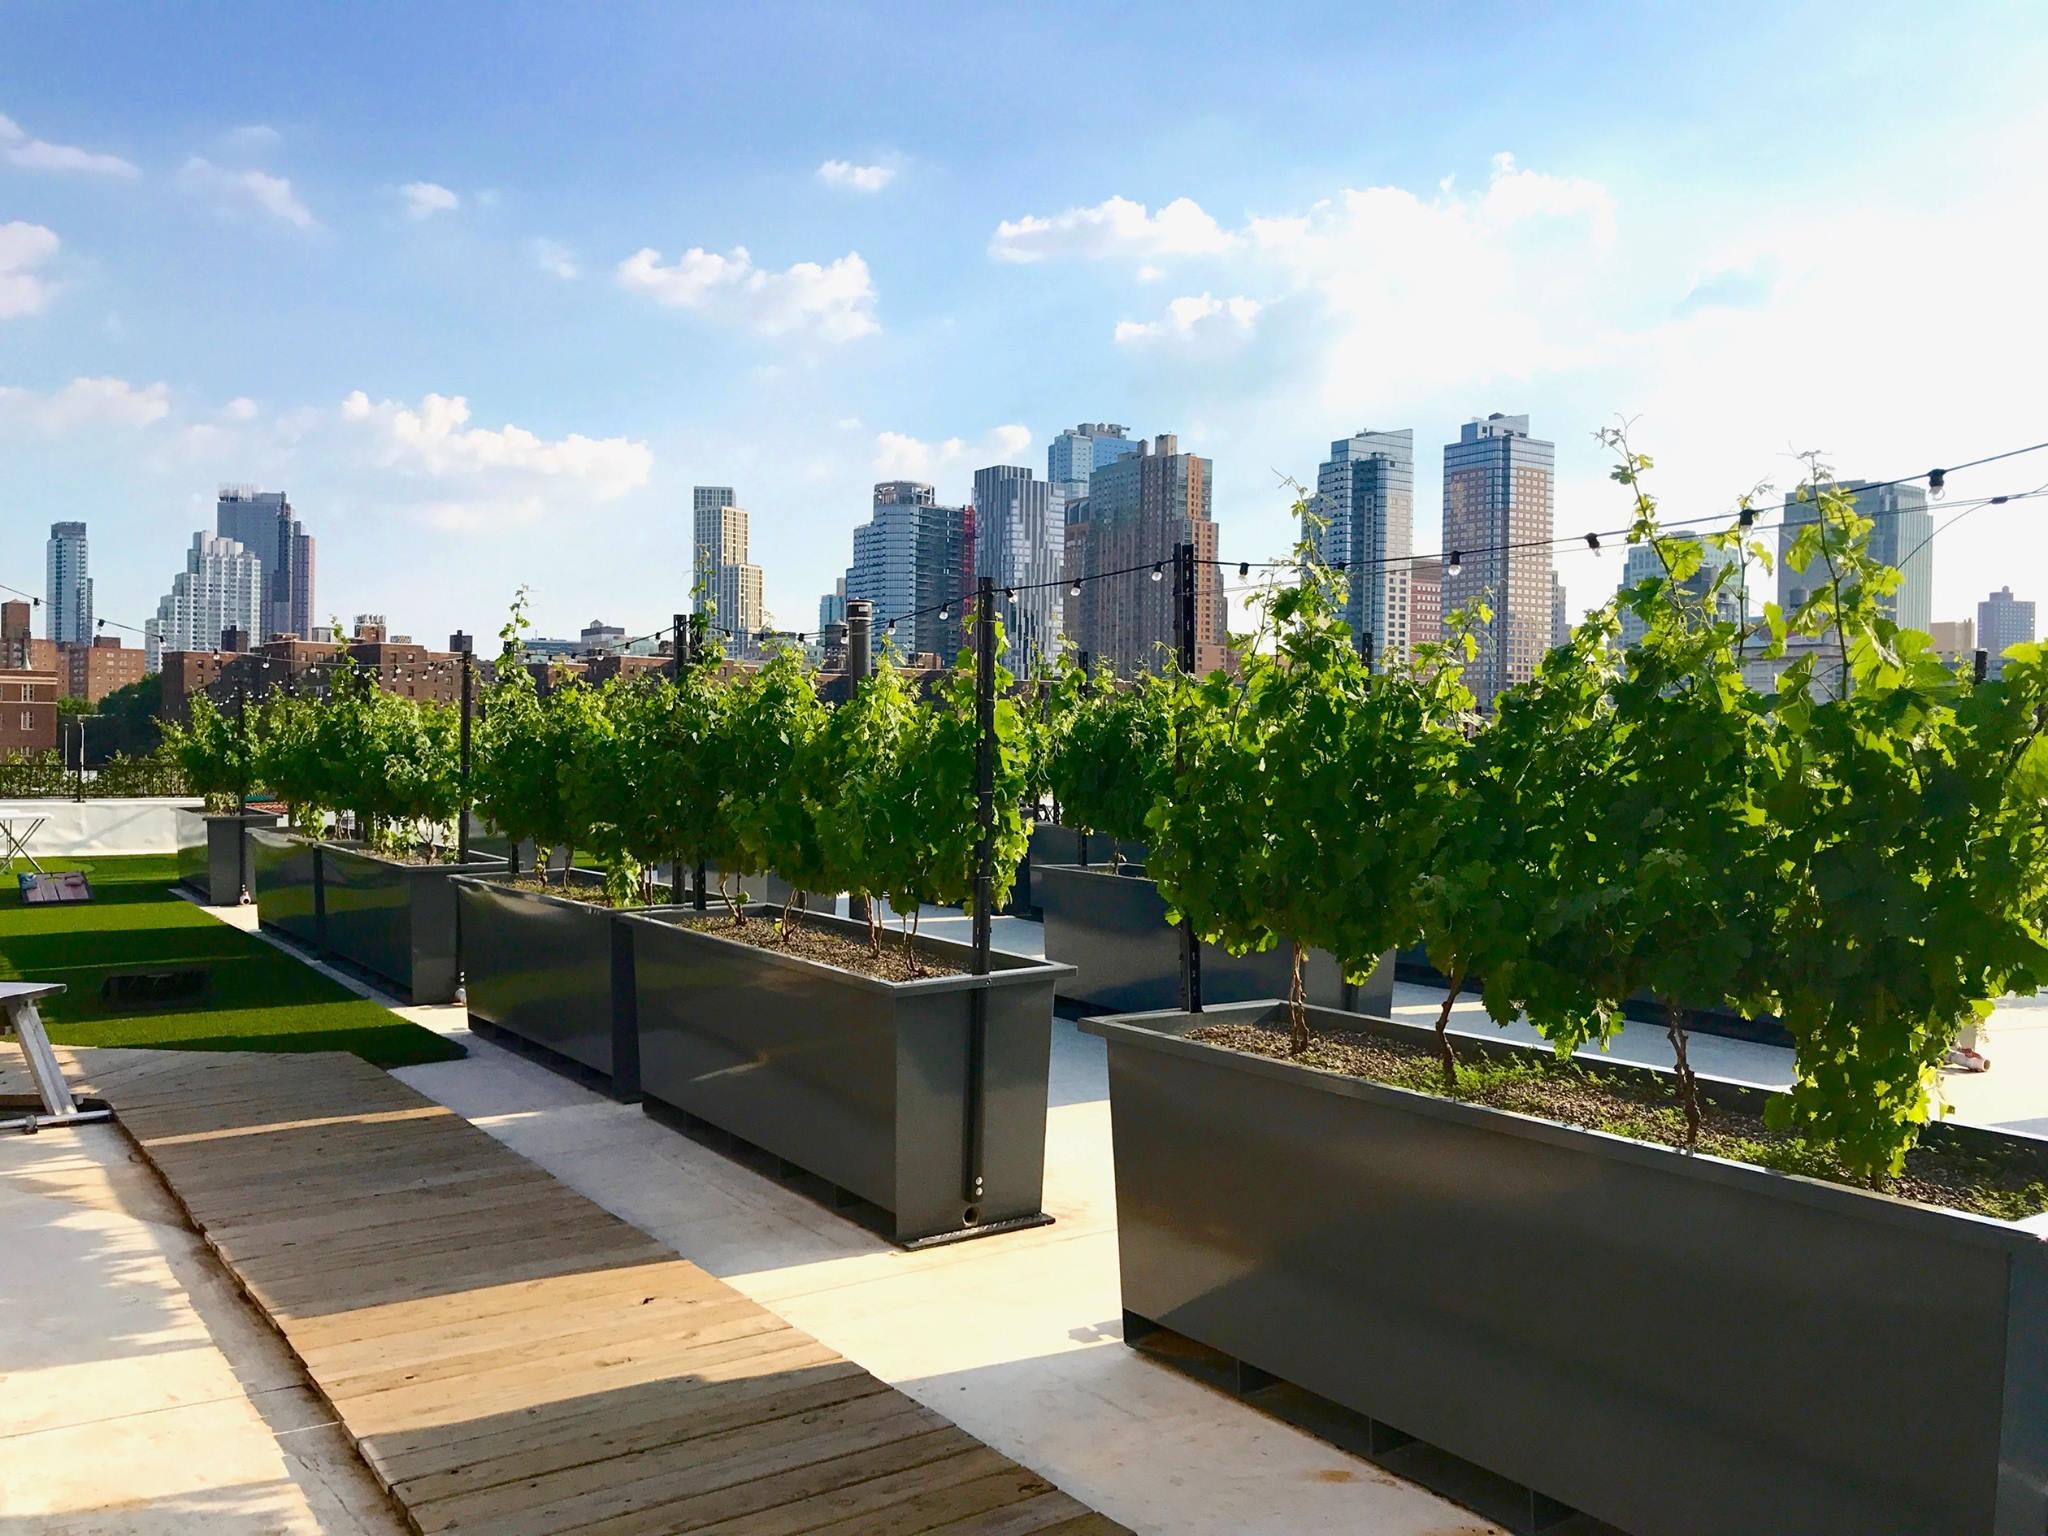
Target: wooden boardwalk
[[509, 1357]]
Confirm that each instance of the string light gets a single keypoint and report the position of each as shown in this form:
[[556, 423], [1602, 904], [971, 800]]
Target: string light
[[1244, 568], [1456, 563], [1074, 590], [1937, 483], [1159, 571], [1593, 542]]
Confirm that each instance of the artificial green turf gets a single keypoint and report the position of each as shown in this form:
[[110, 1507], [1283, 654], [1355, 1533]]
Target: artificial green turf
[[257, 997]]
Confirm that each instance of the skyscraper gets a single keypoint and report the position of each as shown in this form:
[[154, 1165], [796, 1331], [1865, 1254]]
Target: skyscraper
[[1078, 452], [1498, 486], [1901, 530], [1363, 518], [222, 587], [1560, 615], [1137, 509], [1426, 601], [911, 559], [67, 593], [1643, 562], [832, 607], [2003, 621], [1020, 542], [263, 524], [724, 582]]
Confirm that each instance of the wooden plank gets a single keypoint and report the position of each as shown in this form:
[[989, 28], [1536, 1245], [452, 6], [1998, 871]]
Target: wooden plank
[[509, 1357]]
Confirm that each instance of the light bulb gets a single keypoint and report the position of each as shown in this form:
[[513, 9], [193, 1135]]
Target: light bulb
[[1159, 572], [1593, 542], [1457, 563]]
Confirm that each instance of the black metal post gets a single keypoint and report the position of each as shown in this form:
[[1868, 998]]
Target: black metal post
[[697, 898], [468, 707], [78, 793], [984, 880], [242, 799], [1080, 835], [1190, 945], [1980, 666], [1365, 647]]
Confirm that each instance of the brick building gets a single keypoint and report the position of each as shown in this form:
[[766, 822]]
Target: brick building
[[403, 667], [28, 711], [91, 672]]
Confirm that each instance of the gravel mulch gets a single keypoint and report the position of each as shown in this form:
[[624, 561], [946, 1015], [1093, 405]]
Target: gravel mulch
[[1569, 1093]]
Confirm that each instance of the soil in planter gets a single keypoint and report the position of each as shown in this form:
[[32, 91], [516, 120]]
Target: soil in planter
[[589, 895], [2010, 1187], [827, 947]]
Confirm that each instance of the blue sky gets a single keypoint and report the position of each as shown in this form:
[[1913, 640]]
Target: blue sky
[[488, 288]]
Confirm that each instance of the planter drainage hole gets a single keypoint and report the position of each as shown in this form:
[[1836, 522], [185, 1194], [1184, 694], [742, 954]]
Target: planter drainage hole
[[971, 1216]]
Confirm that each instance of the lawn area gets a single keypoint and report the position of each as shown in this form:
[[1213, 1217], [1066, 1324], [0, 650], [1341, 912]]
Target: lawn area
[[257, 998]]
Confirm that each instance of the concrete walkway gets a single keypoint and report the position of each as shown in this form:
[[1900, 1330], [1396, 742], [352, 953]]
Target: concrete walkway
[[139, 1394]]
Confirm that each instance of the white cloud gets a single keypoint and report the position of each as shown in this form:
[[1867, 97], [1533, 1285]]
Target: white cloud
[[86, 402], [242, 191], [1116, 227], [1150, 274], [424, 199], [836, 300], [434, 440], [1201, 315], [556, 259], [241, 408], [899, 456], [23, 248], [33, 154], [856, 178], [483, 516]]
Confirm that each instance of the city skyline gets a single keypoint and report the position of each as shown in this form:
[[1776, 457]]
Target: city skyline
[[495, 344]]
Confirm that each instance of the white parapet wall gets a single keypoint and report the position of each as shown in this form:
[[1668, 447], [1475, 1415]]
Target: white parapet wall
[[84, 829]]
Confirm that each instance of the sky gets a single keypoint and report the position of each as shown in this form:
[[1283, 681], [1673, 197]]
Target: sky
[[487, 288]]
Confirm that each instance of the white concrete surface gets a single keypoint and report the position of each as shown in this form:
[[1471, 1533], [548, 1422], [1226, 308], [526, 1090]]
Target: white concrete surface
[[140, 1395]]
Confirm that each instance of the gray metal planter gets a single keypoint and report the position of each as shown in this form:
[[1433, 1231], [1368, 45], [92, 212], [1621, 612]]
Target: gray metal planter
[[870, 1085], [1680, 1346], [554, 972], [394, 920], [210, 860], [287, 880], [1111, 926]]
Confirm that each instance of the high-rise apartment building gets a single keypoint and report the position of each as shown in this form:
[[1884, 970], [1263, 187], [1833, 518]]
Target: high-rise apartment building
[[914, 560], [1425, 601], [1020, 542], [1137, 509], [832, 607], [1362, 518], [1498, 488], [2003, 621], [1901, 535], [263, 524], [724, 581], [1644, 562], [1560, 613], [67, 591], [1075, 454], [222, 587]]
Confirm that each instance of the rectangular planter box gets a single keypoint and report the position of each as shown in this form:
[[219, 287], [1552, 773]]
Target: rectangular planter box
[[864, 1083], [1111, 928], [394, 920], [1680, 1346], [554, 972], [210, 860], [287, 877]]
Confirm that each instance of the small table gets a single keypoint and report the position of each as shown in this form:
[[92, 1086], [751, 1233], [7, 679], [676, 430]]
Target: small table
[[18, 841], [18, 1013]]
